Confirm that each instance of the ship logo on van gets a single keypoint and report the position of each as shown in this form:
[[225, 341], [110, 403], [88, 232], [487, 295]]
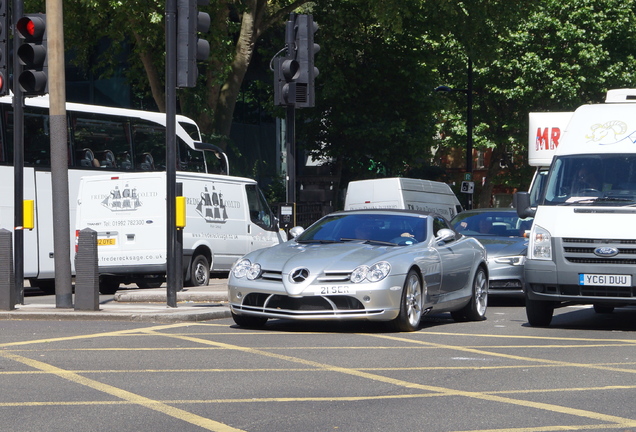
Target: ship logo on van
[[125, 199], [212, 206]]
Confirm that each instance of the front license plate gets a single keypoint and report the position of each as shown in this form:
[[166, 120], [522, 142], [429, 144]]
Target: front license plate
[[106, 241], [335, 290], [605, 279]]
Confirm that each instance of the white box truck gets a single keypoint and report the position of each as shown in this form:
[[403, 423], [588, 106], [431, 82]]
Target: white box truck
[[545, 132], [582, 246], [402, 193], [226, 217]]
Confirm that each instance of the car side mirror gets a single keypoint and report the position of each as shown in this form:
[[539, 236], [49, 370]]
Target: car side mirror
[[521, 201], [445, 235], [296, 231]]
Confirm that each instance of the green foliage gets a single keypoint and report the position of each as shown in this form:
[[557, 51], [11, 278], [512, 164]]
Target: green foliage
[[372, 113]]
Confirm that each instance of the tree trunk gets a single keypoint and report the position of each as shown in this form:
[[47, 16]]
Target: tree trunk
[[156, 83], [242, 56], [485, 196]]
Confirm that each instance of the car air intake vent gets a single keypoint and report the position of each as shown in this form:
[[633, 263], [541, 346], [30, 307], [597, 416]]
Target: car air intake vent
[[576, 260], [272, 275], [599, 241], [335, 276]]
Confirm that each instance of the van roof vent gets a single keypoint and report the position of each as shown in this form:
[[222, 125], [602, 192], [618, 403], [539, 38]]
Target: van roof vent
[[620, 95]]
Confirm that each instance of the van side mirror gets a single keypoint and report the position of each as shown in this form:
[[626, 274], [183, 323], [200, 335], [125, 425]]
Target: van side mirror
[[521, 201]]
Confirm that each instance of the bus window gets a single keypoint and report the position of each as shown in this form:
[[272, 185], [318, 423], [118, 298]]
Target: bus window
[[189, 159], [37, 138], [149, 140], [191, 129], [107, 138], [3, 147]]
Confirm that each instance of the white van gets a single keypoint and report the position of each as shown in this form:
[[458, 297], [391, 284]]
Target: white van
[[403, 193], [582, 244], [226, 217], [545, 133]]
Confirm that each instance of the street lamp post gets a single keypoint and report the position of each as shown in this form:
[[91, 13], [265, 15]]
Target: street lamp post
[[469, 125]]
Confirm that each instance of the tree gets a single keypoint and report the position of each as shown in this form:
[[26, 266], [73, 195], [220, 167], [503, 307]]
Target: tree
[[139, 24], [376, 110], [563, 54], [372, 117]]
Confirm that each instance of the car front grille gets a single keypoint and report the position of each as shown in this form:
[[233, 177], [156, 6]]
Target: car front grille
[[306, 306], [581, 251], [334, 276]]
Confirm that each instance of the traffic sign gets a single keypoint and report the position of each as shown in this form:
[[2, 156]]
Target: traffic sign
[[468, 187]]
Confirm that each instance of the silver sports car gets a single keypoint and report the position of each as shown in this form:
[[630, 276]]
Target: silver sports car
[[383, 265]]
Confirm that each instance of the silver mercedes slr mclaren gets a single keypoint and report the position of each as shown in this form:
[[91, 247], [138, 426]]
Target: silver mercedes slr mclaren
[[381, 265]]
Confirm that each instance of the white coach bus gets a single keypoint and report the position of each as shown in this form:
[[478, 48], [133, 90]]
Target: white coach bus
[[100, 140]]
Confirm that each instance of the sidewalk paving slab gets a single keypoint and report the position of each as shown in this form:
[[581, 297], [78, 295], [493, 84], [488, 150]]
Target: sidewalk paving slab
[[144, 305]]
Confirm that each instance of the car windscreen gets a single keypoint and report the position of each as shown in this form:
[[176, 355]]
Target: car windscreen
[[502, 224], [595, 180], [373, 227]]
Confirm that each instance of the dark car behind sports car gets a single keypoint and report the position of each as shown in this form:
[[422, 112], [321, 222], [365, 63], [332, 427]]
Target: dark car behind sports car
[[503, 234]]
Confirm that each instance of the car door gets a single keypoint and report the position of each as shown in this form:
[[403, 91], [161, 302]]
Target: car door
[[456, 260]]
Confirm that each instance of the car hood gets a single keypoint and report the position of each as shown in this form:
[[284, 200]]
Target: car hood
[[504, 246], [334, 257]]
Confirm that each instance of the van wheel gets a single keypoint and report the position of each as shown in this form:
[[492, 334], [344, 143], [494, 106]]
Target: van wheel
[[108, 285], [539, 313], [148, 284], [47, 286], [603, 309], [199, 271]]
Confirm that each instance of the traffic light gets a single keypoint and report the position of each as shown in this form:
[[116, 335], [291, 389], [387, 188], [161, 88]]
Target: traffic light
[[285, 71], [4, 48], [286, 68], [190, 48], [31, 29], [305, 51], [295, 73]]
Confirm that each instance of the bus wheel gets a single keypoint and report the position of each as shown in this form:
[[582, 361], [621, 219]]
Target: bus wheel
[[199, 271]]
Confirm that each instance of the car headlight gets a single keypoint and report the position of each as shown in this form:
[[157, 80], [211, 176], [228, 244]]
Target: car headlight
[[374, 273], [245, 268], [511, 260], [540, 246]]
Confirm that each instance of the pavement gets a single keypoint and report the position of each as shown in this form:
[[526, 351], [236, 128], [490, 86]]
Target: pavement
[[144, 305]]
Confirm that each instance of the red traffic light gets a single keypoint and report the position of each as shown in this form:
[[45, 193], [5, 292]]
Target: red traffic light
[[31, 28]]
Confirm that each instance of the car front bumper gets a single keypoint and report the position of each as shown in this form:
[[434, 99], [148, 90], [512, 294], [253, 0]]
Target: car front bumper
[[378, 301]]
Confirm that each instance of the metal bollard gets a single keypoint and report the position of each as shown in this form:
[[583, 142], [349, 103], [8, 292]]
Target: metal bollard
[[86, 272], [7, 276]]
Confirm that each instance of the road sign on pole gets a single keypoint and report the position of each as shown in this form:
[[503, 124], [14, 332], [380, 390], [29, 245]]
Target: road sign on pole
[[468, 187]]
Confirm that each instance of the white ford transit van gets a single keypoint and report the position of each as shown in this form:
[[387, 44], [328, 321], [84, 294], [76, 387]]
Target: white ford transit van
[[403, 193]]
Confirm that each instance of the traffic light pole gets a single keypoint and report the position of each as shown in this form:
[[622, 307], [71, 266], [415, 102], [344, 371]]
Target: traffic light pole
[[290, 143], [18, 161], [173, 279]]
